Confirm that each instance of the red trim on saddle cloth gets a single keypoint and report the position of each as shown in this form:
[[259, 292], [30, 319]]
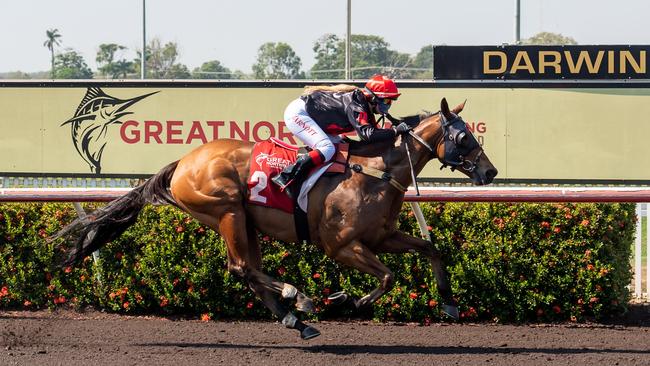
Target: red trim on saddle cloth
[[268, 159]]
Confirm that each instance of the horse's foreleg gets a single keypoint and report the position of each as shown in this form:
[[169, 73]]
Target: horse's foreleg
[[400, 242], [359, 256]]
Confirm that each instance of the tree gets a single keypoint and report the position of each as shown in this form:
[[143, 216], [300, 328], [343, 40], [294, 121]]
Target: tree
[[109, 67], [53, 39], [548, 38], [422, 63], [277, 61], [212, 70], [162, 62], [370, 55], [71, 65], [330, 58], [15, 75]]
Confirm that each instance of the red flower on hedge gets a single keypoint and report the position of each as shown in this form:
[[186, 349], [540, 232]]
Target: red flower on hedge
[[282, 271], [584, 222], [545, 224], [413, 295], [557, 309], [27, 303], [316, 275], [67, 269], [499, 223], [4, 291], [126, 305], [163, 301], [249, 305], [205, 317], [59, 300], [432, 303], [180, 229]]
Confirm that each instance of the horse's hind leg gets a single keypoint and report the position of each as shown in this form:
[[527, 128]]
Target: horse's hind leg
[[287, 291], [359, 256], [403, 243], [244, 259]]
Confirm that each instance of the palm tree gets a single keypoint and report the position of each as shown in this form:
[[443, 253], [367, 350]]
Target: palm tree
[[52, 40]]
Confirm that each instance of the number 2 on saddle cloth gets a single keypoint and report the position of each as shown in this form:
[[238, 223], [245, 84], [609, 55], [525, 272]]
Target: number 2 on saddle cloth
[[269, 158]]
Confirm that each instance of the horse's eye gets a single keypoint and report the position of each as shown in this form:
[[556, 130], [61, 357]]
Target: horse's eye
[[461, 139]]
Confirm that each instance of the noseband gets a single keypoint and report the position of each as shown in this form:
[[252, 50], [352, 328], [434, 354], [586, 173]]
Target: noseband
[[454, 131]]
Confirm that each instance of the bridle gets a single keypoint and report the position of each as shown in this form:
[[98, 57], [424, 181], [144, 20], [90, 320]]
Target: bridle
[[458, 142]]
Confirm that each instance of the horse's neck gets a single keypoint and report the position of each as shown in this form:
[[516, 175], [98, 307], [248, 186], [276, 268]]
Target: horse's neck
[[399, 167]]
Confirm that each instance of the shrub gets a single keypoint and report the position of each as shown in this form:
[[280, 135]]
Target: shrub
[[508, 262]]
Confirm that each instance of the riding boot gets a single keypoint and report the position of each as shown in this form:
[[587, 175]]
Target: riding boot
[[296, 172]]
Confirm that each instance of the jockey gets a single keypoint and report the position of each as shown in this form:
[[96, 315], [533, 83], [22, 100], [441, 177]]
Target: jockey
[[323, 112]]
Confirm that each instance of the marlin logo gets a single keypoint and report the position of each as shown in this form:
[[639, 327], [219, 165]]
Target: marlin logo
[[262, 157], [89, 125]]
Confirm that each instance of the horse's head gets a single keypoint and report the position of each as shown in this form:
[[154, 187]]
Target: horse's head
[[455, 145]]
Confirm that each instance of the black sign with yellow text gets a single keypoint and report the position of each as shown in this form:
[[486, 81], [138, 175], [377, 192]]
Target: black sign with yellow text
[[540, 62]]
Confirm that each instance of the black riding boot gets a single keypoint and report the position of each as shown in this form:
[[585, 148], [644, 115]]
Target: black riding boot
[[293, 173]]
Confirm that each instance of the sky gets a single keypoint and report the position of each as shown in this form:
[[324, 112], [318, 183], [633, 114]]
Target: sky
[[232, 31]]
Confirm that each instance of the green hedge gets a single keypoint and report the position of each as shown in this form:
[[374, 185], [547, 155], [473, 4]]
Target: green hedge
[[508, 262]]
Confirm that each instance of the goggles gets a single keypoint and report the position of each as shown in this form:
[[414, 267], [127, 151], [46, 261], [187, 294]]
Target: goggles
[[383, 104]]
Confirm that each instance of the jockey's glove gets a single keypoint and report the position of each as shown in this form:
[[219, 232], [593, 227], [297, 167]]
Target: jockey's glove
[[402, 128]]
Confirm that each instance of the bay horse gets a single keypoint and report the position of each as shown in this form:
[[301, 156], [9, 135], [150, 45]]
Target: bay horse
[[352, 216]]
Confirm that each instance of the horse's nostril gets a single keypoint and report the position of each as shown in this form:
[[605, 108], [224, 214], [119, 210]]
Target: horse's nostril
[[490, 174]]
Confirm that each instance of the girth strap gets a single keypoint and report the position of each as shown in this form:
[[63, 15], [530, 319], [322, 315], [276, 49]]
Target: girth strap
[[380, 174]]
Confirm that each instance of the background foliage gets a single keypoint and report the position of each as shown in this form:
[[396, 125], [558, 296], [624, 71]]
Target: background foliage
[[370, 54], [508, 262]]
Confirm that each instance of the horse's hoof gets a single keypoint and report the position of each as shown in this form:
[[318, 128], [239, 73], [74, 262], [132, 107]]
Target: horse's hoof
[[309, 333], [450, 310], [306, 305], [338, 298]]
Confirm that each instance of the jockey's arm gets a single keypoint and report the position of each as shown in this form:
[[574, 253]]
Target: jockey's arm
[[366, 130]]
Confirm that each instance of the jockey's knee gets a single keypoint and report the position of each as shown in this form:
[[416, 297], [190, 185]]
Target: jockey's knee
[[327, 149]]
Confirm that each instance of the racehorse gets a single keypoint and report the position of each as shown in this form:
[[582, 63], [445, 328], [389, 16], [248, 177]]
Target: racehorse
[[352, 216]]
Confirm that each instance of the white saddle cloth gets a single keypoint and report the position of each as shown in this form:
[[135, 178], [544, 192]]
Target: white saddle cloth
[[303, 197]]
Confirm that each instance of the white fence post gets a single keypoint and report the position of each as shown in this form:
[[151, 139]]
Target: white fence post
[[637, 254], [647, 251]]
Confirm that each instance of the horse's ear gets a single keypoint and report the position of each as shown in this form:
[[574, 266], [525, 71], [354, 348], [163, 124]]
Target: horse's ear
[[444, 109], [459, 108]]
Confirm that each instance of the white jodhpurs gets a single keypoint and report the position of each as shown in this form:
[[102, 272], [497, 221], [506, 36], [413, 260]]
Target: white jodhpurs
[[307, 130]]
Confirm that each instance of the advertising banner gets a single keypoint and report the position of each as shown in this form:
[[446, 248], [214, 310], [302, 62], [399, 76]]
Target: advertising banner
[[574, 136], [540, 62]]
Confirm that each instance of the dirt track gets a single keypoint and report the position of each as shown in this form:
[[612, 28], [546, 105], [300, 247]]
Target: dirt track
[[95, 338]]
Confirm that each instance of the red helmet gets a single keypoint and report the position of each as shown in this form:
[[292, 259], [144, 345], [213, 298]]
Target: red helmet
[[383, 87]]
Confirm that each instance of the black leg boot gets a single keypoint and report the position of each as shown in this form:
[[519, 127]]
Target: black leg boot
[[293, 173]]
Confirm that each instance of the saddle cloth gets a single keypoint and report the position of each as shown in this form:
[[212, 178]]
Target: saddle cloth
[[269, 158]]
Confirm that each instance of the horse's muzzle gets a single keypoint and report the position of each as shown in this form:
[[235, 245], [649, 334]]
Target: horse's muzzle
[[484, 178]]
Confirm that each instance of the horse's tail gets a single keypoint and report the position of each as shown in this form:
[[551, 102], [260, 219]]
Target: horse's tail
[[109, 222]]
